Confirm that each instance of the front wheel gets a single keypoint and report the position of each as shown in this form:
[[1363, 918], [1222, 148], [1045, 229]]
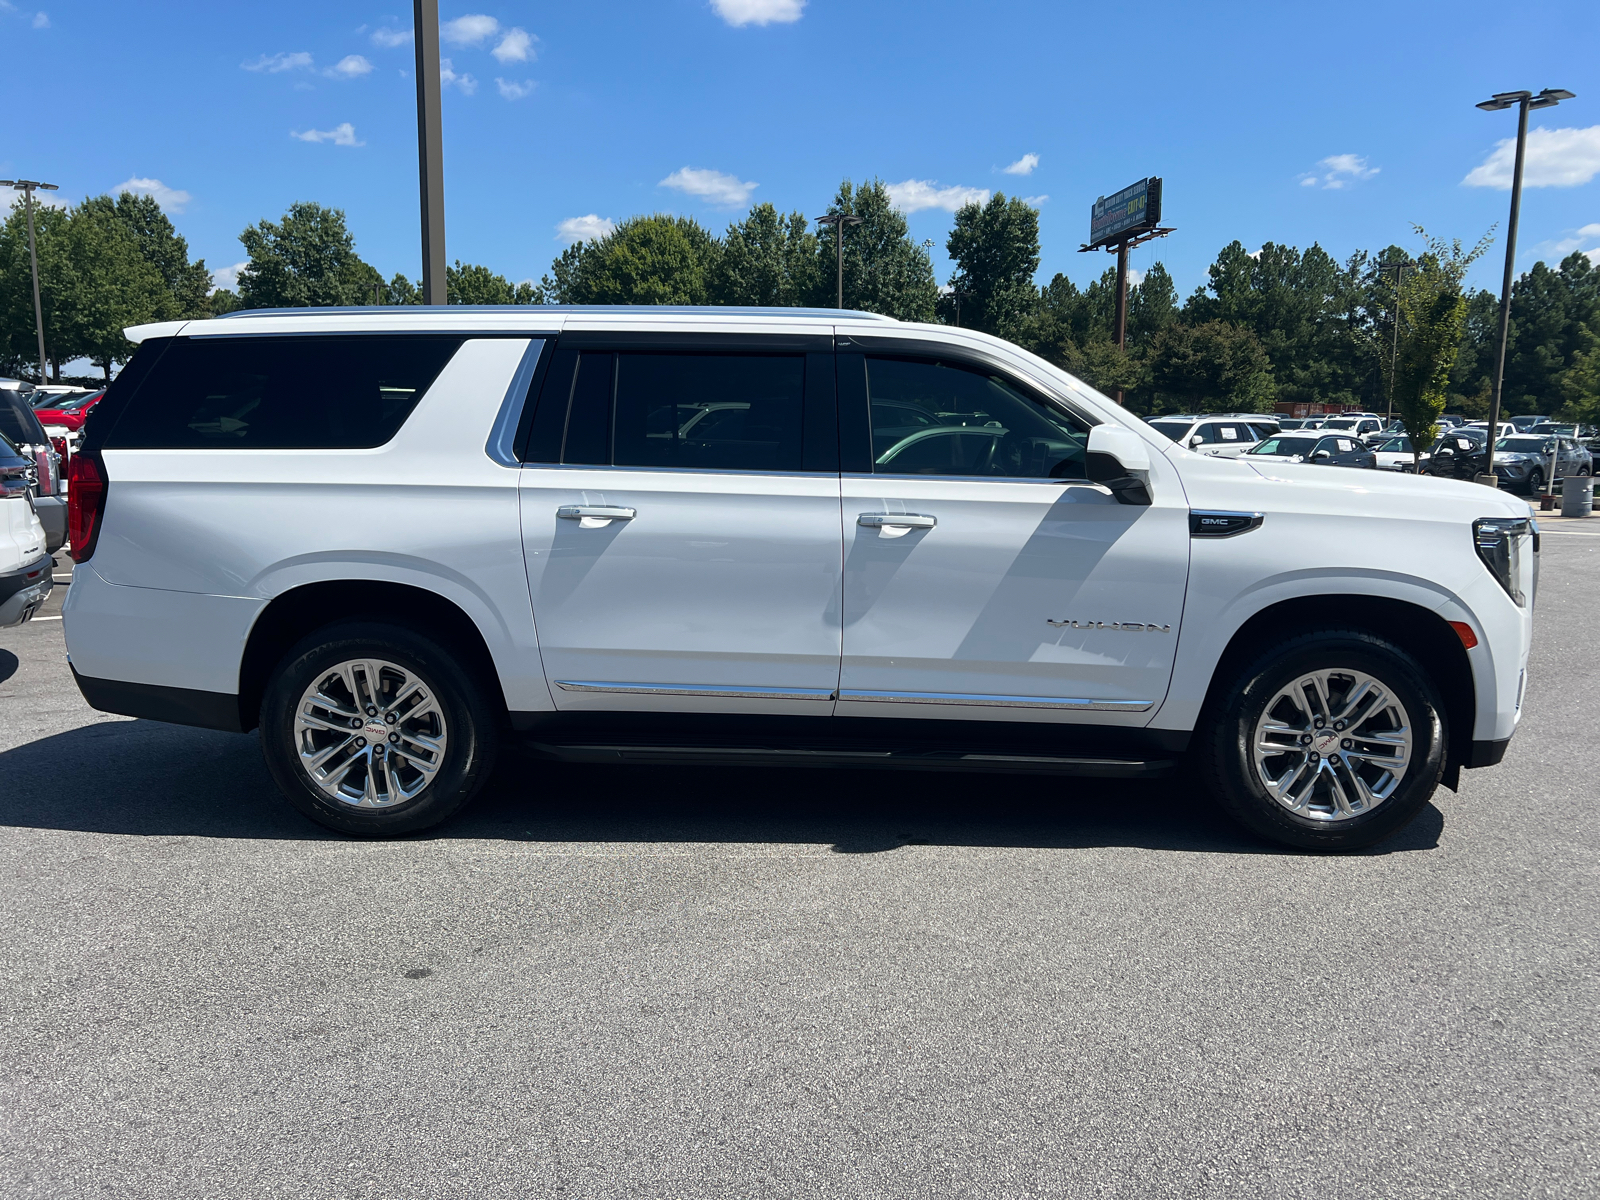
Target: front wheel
[[1328, 741], [1535, 482], [375, 730]]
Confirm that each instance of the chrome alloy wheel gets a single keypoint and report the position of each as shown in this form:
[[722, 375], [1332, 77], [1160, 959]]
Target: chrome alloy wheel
[[1333, 745], [370, 734]]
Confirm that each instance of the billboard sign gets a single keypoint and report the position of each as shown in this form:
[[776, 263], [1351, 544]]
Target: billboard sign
[[1131, 211]]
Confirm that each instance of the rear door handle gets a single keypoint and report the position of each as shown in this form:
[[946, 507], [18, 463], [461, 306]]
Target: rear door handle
[[604, 512], [902, 520]]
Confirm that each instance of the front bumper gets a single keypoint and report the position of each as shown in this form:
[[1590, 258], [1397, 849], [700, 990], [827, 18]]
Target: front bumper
[[22, 591]]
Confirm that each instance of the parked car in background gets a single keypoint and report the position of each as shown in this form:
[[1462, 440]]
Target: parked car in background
[[1395, 455], [1507, 429], [1291, 423], [20, 426], [69, 411], [25, 564], [1452, 419], [1359, 427], [1319, 449], [1525, 424], [1218, 437], [1525, 462], [1456, 454]]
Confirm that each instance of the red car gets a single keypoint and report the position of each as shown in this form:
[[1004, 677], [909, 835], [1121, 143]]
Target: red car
[[70, 412]]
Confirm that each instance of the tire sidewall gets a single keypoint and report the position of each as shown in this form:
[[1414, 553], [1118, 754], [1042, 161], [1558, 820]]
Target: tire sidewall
[[469, 754], [1240, 789]]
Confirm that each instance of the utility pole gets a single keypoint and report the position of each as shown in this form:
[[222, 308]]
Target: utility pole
[[1524, 101], [430, 148], [27, 187], [839, 221], [1399, 268], [1120, 327]]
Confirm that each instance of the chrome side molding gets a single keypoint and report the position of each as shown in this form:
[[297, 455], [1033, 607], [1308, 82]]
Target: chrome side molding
[[712, 690], [973, 698]]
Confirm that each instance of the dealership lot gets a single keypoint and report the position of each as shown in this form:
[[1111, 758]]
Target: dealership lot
[[609, 982]]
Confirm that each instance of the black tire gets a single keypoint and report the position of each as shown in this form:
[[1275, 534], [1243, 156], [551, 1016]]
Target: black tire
[[1224, 743], [1535, 481], [469, 724]]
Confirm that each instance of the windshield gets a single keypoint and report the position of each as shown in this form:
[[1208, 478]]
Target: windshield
[[1173, 429], [1397, 445], [1341, 423], [1525, 445], [1287, 446]]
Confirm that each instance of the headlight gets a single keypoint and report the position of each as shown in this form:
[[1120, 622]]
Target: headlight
[[1499, 542]]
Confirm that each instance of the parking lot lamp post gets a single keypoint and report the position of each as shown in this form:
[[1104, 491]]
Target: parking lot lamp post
[[839, 221], [27, 188], [430, 149], [1524, 101], [1399, 269]]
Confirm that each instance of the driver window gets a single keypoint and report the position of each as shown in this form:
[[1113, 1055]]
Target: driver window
[[937, 418]]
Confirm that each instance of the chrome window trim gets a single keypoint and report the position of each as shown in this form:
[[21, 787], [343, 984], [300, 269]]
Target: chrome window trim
[[1088, 483], [535, 466], [987, 701], [713, 691], [501, 447]]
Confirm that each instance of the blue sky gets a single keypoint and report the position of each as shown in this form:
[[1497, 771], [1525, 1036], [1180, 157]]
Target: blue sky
[[1339, 124]]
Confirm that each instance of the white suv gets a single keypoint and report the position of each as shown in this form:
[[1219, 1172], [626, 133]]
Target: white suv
[[393, 539], [1215, 437], [25, 578]]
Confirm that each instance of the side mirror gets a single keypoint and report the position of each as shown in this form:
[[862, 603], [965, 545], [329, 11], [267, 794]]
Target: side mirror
[[1196, 440], [1320, 454], [1118, 459]]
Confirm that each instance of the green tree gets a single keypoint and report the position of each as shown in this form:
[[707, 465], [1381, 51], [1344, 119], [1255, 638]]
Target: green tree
[[306, 260], [884, 270], [996, 251], [19, 350], [470, 284], [1214, 365], [187, 284], [659, 259], [110, 285], [1433, 315], [768, 259]]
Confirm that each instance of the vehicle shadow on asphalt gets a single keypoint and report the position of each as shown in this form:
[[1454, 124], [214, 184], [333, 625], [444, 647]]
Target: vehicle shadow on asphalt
[[145, 778], [9, 663]]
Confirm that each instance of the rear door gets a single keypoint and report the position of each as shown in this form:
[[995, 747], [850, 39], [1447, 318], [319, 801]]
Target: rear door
[[681, 525], [984, 575]]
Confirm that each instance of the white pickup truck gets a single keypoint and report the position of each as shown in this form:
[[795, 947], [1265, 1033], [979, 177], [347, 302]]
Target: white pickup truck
[[392, 539]]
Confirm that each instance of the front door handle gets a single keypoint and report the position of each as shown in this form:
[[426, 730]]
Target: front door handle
[[900, 520], [603, 512]]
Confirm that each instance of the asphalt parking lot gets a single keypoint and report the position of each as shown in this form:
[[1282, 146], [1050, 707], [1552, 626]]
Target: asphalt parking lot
[[621, 982]]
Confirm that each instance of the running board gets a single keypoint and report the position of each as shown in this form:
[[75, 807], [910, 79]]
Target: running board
[[912, 760]]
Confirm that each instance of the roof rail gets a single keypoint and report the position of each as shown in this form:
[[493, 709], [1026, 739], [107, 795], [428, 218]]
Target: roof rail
[[565, 309]]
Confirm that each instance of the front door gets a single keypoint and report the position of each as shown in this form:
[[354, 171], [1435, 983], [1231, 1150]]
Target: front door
[[984, 575], [683, 551]]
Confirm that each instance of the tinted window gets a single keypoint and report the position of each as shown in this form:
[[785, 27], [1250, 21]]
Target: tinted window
[[1173, 429], [280, 393], [935, 418], [18, 423], [738, 412], [1284, 446]]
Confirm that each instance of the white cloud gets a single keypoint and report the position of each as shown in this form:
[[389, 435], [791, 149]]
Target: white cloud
[[515, 46], [1554, 158], [272, 64], [1339, 171], [759, 12], [510, 89], [582, 229], [170, 199], [228, 277], [469, 31], [914, 195], [1135, 276], [41, 20], [1023, 165], [1035, 201], [1588, 234], [725, 191], [351, 66], [390, 38], [448, 76], [340, 135]]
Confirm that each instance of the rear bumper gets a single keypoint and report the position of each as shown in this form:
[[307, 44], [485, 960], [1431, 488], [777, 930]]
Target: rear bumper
[[156, 702], [24, 590]]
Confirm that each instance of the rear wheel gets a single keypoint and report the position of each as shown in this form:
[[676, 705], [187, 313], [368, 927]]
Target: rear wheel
[[1328, 741], [375, 730]]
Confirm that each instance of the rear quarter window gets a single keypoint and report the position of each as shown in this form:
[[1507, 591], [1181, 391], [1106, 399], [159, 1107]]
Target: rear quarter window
[[280, 393]]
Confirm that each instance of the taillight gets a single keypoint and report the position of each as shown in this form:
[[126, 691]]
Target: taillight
[[45, 474], [63, 452], [86, 503]]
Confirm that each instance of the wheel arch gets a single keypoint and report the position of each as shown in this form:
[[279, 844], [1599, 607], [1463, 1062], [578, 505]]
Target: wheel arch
[[1419, 631], [301, 610]]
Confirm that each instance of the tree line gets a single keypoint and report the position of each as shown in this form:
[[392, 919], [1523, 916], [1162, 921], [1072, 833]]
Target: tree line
[[1280, 324]]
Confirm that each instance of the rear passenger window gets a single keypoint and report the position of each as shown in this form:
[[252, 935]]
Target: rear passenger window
[[280, 393], [739, 412], [936, 418]]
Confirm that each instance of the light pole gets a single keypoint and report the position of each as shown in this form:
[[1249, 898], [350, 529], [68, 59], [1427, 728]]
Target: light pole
[[27, 188], [430, 148], [1399, 268], [839, 221], [1524, 101]]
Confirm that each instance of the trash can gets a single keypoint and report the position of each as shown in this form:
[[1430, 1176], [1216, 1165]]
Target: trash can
[[1577, 496]]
